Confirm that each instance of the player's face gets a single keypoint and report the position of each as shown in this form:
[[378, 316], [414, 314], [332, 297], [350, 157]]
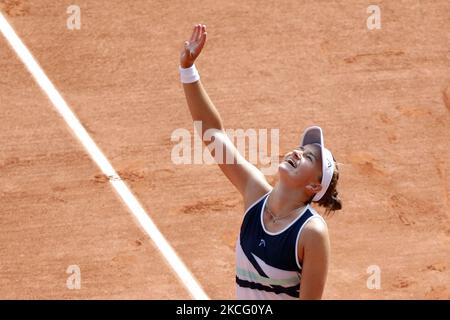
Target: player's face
[[301, 166]]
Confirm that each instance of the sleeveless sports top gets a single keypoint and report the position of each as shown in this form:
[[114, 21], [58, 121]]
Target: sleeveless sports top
[[267, 265]]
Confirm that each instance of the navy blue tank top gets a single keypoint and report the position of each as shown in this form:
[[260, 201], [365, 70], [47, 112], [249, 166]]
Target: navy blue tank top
[[267, 265]]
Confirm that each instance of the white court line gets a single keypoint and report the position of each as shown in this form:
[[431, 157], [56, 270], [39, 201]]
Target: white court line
[[102, 162]]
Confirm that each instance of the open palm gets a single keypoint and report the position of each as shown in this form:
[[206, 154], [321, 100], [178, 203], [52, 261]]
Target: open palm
[[193, 47]]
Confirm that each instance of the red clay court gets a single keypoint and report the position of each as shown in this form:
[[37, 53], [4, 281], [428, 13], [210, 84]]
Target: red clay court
[[379, 95]]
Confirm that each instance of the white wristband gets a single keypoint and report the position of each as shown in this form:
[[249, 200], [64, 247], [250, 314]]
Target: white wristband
[[189, 75]]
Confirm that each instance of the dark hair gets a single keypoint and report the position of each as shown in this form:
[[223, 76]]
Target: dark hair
[[331, 200]]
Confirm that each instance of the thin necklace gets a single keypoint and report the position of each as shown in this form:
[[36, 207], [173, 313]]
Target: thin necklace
[[275, 219]]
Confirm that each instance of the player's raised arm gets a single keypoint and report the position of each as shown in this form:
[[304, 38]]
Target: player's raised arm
[[249, 181], [200, 105]]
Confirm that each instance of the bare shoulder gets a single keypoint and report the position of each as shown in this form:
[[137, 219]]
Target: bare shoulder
[[315, 232], [314, 239]]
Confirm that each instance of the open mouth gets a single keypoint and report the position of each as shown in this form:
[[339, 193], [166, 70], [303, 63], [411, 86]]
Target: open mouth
[[292, 163]]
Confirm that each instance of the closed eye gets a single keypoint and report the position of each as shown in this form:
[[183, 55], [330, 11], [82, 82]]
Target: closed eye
[[307, 154], [310, 156]]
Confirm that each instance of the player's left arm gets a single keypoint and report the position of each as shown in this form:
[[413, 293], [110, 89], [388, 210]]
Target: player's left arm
[[316, 254]]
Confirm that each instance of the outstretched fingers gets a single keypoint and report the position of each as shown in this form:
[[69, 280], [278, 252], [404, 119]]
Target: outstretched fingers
[[202, 30], [202, 38], [195, 33]]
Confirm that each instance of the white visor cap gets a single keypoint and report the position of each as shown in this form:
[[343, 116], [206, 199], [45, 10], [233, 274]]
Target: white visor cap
[[314, 135]]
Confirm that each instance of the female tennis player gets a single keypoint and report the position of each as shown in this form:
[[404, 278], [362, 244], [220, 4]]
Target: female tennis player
[[282, 251]]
